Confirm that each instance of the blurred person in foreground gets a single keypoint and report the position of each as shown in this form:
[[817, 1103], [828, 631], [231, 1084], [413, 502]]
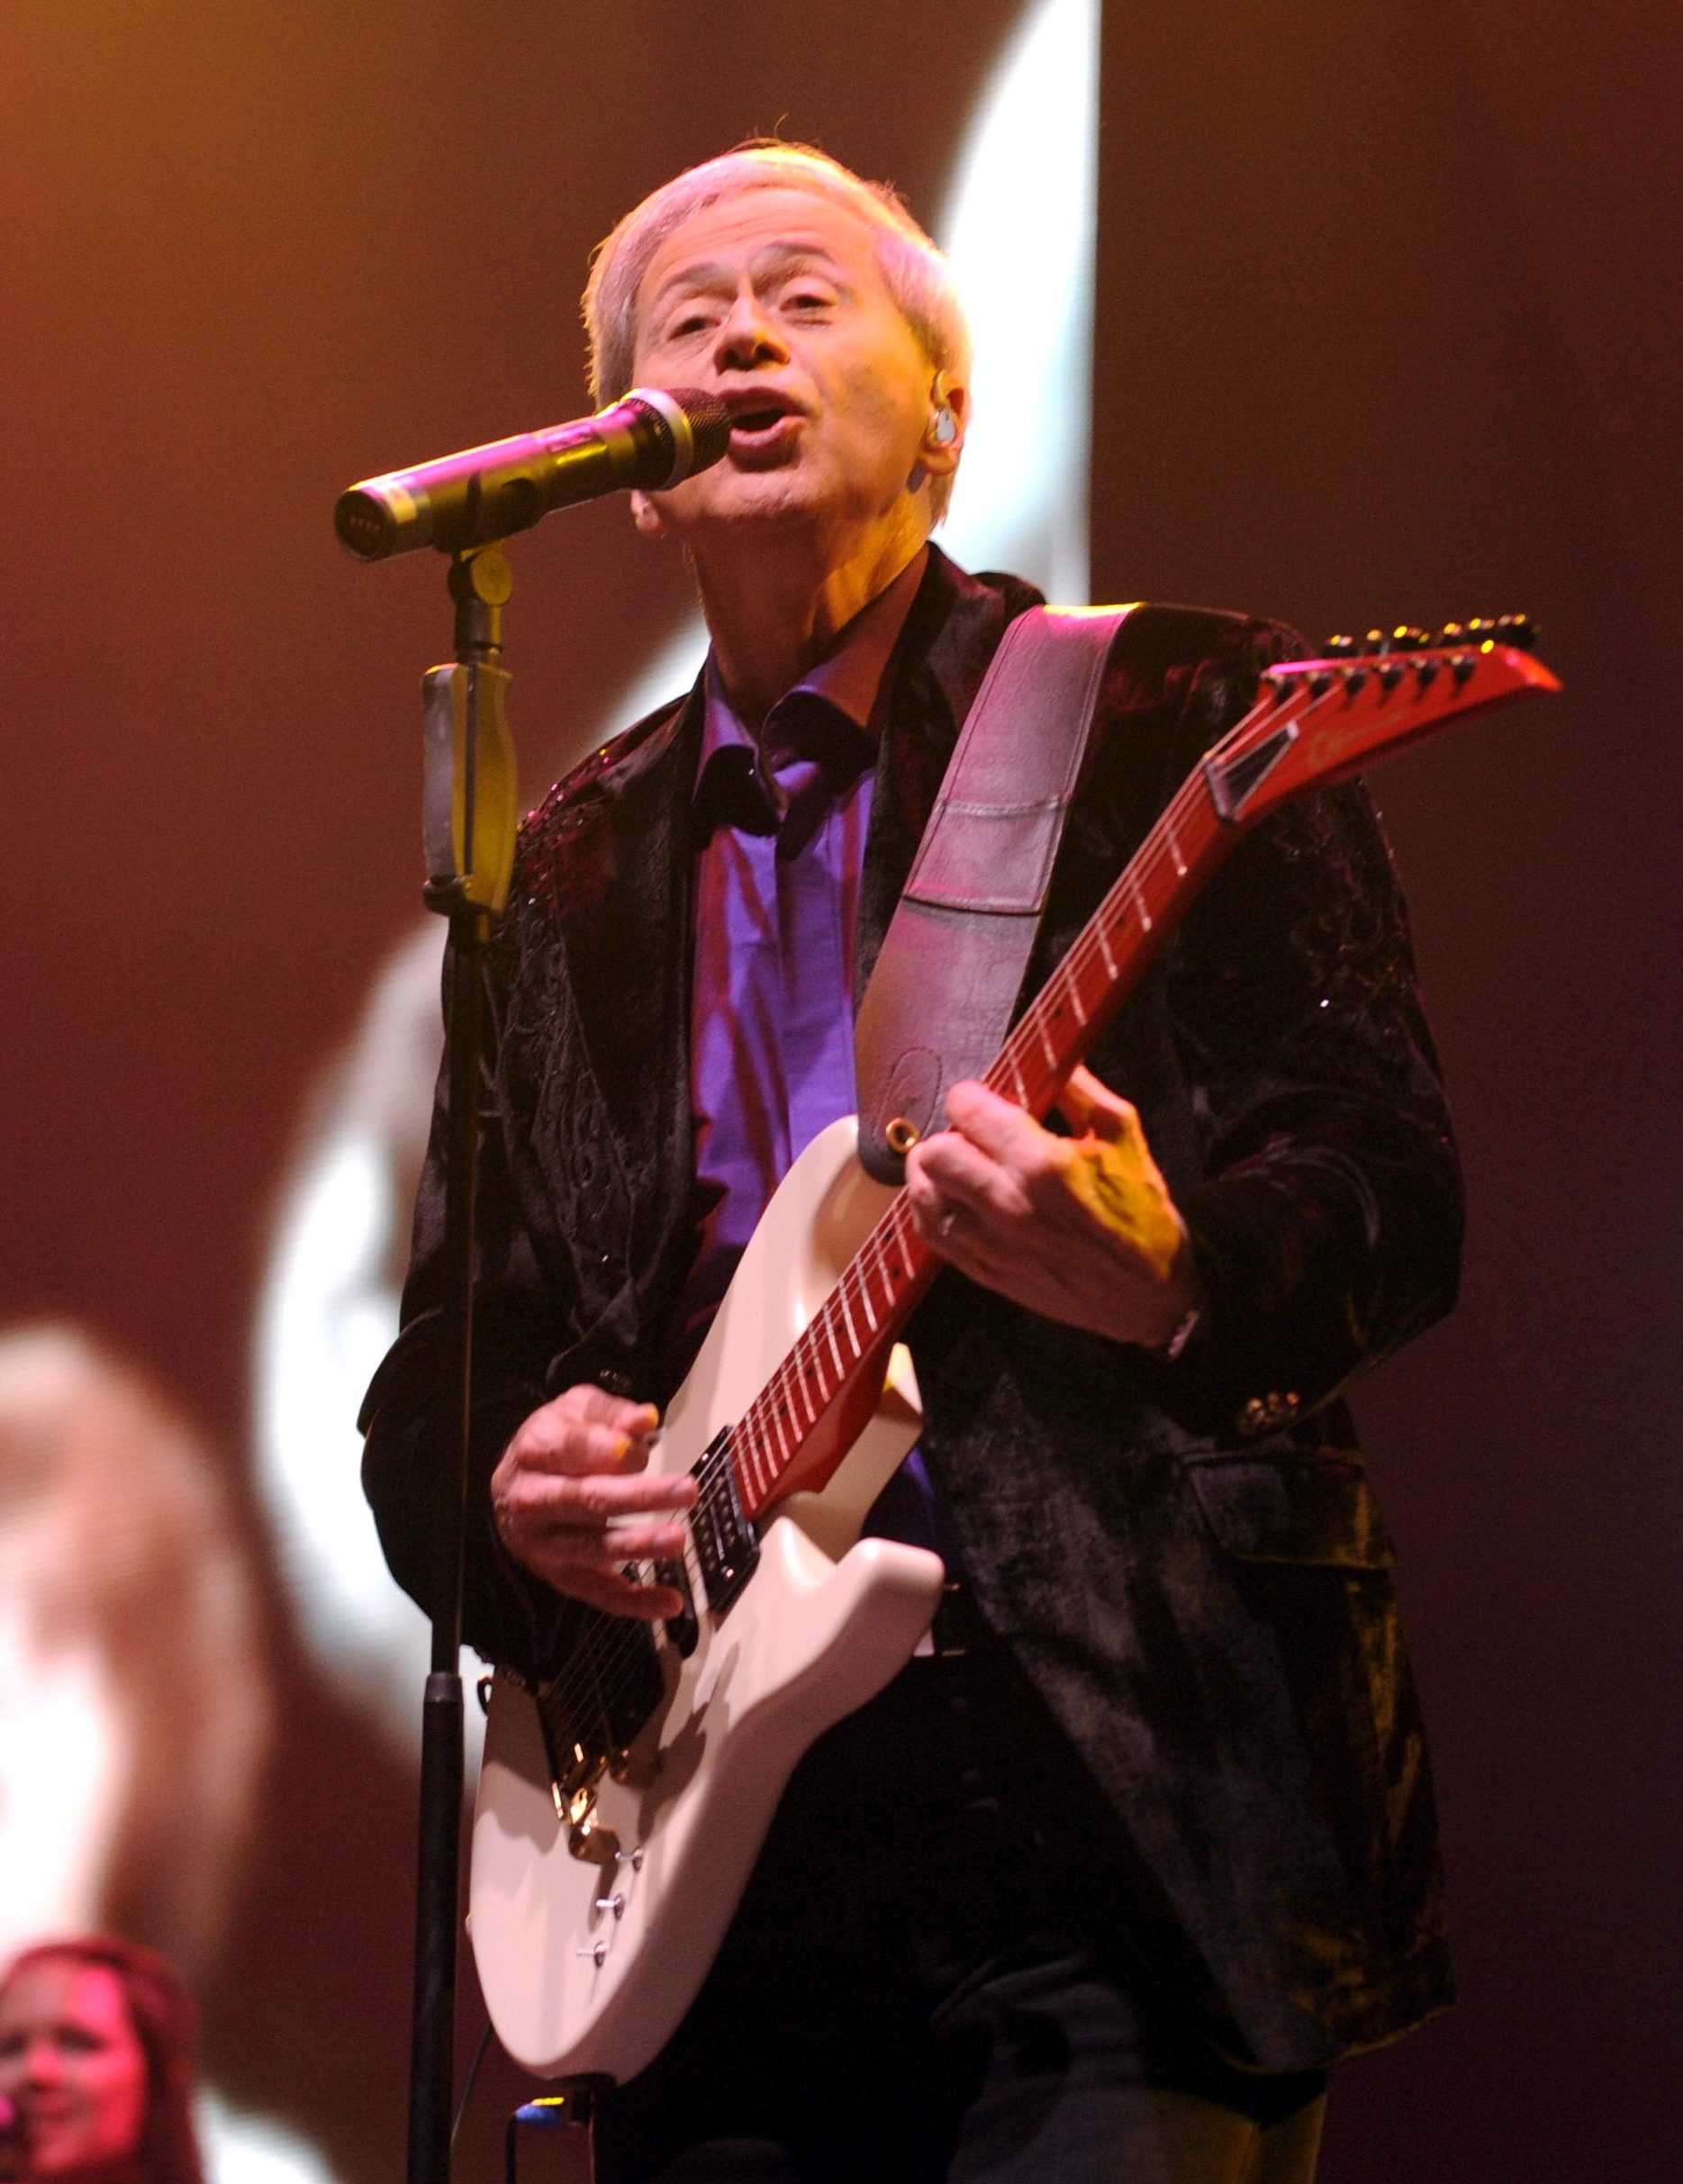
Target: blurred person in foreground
[[1100, 1889], [136, 1701], [97, 2046]]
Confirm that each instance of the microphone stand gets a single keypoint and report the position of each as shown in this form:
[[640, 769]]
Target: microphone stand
[[470, 814]]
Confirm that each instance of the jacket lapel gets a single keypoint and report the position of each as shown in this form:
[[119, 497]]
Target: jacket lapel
[[620, 880]]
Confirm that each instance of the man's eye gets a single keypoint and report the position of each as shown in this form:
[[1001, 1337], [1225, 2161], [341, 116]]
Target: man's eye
[[691, 323]]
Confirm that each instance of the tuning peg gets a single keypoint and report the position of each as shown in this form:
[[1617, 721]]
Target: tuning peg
[[1518, 630], [1450, 635], [1406, 637], [1480, 630], [1340, 648], [1376, 640]]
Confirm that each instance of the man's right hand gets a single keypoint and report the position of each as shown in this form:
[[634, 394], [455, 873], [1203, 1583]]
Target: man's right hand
[[573, 1501]]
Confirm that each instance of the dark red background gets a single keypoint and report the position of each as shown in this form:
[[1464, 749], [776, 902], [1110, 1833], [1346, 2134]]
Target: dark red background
[[1388, 328]]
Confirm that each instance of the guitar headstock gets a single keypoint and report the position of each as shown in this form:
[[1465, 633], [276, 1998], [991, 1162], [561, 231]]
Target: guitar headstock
[[1319, 719]]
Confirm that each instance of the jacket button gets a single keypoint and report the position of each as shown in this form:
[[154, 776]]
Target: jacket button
[[1267, 1414]]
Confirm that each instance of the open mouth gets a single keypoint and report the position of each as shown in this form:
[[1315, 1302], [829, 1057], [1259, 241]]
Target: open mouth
[[758, 416]]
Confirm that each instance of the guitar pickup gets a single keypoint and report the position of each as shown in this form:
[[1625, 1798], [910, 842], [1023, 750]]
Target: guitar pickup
[[683, 1629], [726, 1545]]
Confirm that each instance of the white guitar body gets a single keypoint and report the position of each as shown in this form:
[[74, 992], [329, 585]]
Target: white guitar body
[[573, 1975]]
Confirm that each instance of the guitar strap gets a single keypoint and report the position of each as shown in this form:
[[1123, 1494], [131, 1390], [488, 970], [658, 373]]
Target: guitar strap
[[952, 962]]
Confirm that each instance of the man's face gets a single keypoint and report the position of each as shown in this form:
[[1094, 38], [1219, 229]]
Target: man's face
[[71, 2063], [772, 301]]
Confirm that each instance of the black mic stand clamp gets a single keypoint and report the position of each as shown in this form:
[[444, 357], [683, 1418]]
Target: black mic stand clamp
[[470, 819]]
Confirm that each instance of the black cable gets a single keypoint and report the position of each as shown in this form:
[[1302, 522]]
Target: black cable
[[467, 2083]]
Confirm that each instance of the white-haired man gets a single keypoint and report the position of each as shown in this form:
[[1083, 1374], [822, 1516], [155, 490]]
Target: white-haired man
[[1100, 1889]]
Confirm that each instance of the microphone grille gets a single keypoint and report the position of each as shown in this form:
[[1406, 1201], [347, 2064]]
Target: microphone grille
[[709, 422], [364, 524]]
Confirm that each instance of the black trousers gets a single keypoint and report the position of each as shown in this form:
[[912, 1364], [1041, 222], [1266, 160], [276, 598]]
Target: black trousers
[[933, 1976]]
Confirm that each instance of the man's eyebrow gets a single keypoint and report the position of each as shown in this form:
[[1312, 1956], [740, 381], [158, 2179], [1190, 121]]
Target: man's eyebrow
[[776, 256], [713, 274], [708, 274]]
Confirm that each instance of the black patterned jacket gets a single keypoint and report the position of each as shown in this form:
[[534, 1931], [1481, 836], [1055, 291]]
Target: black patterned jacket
[[1199, 1592]]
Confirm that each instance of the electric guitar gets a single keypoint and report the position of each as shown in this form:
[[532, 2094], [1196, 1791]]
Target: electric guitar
[[621, 1807]]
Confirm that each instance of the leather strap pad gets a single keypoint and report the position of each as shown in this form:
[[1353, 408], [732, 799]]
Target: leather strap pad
[[952, 962]]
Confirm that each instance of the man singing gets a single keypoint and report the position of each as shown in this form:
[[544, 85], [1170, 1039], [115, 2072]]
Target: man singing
[[1102, 1886]]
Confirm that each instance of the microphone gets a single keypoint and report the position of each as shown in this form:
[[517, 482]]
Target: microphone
[[649, 440]]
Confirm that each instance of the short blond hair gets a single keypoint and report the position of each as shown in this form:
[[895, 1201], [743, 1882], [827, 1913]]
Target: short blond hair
[[913, 269]]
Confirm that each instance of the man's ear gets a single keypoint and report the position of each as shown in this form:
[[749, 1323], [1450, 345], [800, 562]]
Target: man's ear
[[944, 433], [647, 516]]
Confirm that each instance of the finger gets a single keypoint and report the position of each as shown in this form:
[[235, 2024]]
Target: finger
[[933, 1212], [564, 1550], [1017, 1167], [557, 1440], [993, 1125], [626, 1427], [587, 1400], [571, 1547], [1092, 1109], [935, 1218], [956, 1170], [586, 1407], [616, 1594], [592, 1499]]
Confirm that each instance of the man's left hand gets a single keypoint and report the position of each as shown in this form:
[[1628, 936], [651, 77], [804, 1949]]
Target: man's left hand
[[1080, 1228]]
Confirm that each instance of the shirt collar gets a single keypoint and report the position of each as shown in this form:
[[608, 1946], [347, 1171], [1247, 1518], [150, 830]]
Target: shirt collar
[[849, 676]]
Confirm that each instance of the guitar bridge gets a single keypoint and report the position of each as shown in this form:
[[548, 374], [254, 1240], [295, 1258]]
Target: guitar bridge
[[592, 1711], [593, 1844]]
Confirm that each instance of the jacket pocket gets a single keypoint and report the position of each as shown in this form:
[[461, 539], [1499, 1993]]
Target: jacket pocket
[[1315, 1509]]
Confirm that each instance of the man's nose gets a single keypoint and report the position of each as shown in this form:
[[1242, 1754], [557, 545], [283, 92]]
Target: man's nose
[[746, 336]]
